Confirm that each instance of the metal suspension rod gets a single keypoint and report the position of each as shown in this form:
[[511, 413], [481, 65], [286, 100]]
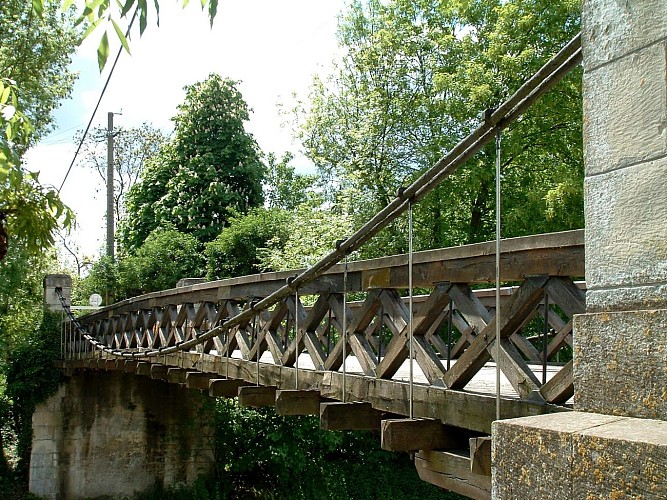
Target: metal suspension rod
[[344, 333], [548, 76], [296, 336], [545, 339], [411, 315], [498, 235]]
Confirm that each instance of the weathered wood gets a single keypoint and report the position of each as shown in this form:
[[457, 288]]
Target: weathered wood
[[293, 402], [451, 471], [256, 396], [561, 386], [176, 375], [419, 434], [357, 416], [144, 368], [159, 372], [225, 387], [480, 455], [130, 366], [110, 364], [197, 380], [516, 370]]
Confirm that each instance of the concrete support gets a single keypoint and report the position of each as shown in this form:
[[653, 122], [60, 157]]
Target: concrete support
[[620, 351], [53, 281], [114, 433]]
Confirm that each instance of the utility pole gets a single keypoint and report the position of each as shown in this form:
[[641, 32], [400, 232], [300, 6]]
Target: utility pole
[[110, 200]]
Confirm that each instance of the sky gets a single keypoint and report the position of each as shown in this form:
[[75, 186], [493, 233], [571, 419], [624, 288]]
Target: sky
[[273, 48]]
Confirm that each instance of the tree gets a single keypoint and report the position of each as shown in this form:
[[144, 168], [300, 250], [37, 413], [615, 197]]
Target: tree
[[238, 249], [414, 78], [35, 51], [133, 147], [284, 187], [210, 171]]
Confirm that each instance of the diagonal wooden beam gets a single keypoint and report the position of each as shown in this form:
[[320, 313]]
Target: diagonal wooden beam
[[560, 387]]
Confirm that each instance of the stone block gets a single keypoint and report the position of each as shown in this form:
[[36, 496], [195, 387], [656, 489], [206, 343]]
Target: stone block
[[531, 456], [626, 237], [620, 363], [622, 459], [612, 29], [578, 455], [625, 106], [53, 281]]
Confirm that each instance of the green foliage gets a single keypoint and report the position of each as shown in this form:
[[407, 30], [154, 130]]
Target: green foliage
[[210, 171], [238, 248], [34, 53], [284, 187], [31, 378], [414, 78], [165, 257]]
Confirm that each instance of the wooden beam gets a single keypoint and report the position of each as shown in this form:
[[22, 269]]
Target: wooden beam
[[159, 372], [480, 455], [176, 375], [143, 368], [225, 387], [109, 364], [197, 380], [358, 416], [292, 402], [451, 471], [253, 395], [420, 434], [130, 366]]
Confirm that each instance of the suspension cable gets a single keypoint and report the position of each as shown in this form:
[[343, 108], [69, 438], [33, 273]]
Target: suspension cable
[[296, 336]]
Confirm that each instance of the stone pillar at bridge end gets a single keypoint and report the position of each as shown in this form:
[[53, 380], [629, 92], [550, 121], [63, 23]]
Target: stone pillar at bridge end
[[614, 445]]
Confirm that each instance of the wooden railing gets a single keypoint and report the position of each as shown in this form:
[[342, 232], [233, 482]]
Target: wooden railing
[[377, 323]]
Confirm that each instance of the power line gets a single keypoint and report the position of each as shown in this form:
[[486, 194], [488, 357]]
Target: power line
[[90, 122]]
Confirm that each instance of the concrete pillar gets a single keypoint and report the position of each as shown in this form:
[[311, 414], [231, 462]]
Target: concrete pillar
[[110, 434], [53, 281], [621, 343]]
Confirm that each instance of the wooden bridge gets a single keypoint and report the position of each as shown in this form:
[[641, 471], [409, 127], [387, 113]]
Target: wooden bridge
[[317, 353]]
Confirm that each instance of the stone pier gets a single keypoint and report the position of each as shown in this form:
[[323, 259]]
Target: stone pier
[[615, 444], [106, 432]]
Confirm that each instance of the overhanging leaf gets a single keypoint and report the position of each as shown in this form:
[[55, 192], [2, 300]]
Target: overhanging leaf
[[121, 36], [103, 51], [38, 7]]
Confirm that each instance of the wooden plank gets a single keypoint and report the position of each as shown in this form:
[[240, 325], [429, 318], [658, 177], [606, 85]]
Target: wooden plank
[[364, 353], [516, 370], [567, 295], [480, 456], [358, 416], [526, 347], [293, 402], [428, 361], [469, 306], [225, 387], [561, 386], [451, 471], [197, 380], [420, 434], [256, 396]]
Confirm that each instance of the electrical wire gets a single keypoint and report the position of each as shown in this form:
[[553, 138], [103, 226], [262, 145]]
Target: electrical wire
[[99, 101]]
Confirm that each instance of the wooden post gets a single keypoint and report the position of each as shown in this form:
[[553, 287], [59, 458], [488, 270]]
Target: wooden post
[[225, 387], [196, 380], [159, 372], [144, 368]]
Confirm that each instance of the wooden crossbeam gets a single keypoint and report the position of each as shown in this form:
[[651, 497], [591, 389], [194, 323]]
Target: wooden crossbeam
[[159, 372], [197, 380], [293, 402], [130, 366], [420, 434], [451, 471], [176, 375], [144, 368], [257, 396], [225, 387], [358, 416]]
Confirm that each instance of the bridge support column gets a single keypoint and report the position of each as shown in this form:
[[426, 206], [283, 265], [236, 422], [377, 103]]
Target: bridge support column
[[114, 434], [615, 444]]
